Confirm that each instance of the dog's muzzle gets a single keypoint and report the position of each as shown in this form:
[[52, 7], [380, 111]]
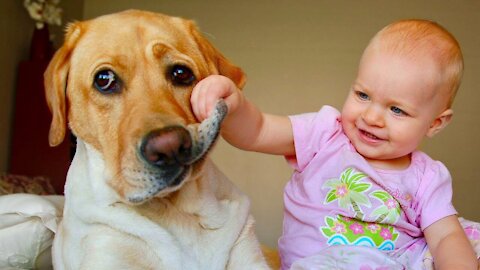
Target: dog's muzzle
[[170, 152]]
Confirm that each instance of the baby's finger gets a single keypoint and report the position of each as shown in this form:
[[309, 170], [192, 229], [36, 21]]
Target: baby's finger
[[210, 103], [197, 100], [194, 104]]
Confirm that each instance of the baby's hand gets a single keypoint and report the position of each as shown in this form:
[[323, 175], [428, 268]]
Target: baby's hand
[[209, 90]]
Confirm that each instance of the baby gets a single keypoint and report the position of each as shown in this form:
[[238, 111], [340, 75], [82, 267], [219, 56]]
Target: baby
[[359, 179]]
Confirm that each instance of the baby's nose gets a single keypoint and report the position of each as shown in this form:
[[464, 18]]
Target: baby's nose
[[373, 116]]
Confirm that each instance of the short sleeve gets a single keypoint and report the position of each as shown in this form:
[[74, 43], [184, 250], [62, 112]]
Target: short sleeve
[[311, 131], [435, 195]]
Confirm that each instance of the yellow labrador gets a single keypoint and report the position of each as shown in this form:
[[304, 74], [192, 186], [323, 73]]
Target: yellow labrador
[[141, 192]]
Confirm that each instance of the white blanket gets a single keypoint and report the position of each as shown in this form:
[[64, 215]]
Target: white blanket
[[27, 227]]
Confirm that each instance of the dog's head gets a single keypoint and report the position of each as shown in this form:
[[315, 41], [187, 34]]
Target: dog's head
[[123, 83]]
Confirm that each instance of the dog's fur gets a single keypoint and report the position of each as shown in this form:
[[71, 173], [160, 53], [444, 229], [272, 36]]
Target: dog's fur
[[140, 192]]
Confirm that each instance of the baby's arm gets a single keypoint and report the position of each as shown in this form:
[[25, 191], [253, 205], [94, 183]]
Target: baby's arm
[[245, 126], [449, 245]]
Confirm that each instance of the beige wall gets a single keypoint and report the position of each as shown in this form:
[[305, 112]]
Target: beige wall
[[300, 55]]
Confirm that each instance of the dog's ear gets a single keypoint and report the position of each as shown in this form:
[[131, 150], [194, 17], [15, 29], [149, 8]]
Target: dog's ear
[[216, 60], [55, 82]]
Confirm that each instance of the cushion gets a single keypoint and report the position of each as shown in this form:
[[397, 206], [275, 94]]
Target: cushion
[[28, 223]]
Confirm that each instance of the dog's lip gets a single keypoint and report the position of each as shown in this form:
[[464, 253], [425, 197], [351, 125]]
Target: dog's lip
[[207, 132], [160, 187]]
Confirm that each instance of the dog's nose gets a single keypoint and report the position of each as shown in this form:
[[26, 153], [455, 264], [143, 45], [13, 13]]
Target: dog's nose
[[167, 146]]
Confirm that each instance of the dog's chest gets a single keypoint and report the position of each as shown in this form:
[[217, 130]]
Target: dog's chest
[[204, 242]]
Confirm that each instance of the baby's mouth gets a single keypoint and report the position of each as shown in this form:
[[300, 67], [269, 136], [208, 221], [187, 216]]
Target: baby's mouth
[[369, 135]]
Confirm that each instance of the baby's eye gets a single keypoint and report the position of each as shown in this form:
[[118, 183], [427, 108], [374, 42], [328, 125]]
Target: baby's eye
[[362, 95], [398, 111]]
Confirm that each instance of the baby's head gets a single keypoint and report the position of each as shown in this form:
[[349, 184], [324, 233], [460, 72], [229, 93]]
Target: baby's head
[[407, 79], [422, 40]]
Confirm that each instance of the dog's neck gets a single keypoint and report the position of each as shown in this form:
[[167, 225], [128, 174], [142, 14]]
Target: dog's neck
[[83, 176]]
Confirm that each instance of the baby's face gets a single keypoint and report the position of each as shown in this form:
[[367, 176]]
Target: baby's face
[[392, 105]]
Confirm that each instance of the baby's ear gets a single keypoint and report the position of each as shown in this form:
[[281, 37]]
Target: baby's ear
[[440, 122]]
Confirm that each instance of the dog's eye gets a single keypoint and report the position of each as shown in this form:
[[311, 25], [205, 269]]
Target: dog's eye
[[106, 81], [182, 75]]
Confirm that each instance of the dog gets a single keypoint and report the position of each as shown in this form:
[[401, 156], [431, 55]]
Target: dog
[[141, 192]]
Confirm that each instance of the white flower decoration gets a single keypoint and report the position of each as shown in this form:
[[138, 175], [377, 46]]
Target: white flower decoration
[[44, 12]]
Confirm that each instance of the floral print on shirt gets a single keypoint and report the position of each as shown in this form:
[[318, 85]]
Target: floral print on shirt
[[351, 191]]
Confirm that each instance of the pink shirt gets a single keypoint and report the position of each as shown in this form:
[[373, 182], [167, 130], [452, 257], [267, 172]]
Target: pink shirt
[[335, 197]]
